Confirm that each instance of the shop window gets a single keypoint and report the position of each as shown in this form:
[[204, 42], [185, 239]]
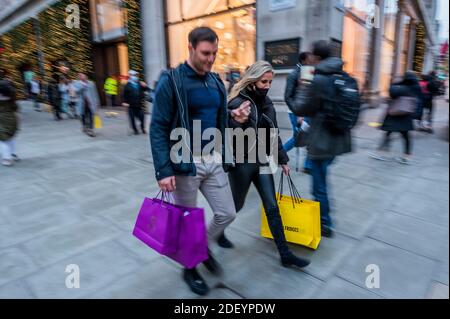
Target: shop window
[[355, 52], [236, 30]]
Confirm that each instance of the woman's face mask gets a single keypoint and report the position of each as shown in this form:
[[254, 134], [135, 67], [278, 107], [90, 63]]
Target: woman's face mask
[[134, 78], [262, 93]]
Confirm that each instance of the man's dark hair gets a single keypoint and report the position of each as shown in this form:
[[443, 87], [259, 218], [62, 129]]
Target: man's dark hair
[[202, 34], [322, 49], [303, 56]]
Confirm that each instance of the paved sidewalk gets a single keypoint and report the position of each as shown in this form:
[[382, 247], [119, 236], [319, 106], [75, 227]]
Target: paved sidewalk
[[74, 200]]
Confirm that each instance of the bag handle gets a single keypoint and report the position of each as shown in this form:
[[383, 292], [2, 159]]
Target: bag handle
[[295, 195], [295, 190], [165, 197]]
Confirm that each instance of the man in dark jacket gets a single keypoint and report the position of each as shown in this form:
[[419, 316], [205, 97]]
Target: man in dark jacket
[[54, 96], [323, 144], [429, 91], [134, 99], [289, 97], [192, 99]]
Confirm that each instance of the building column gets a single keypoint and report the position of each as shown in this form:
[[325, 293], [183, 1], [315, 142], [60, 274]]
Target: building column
[[399, 41], [375, 58], [412, 44], [154, 39]]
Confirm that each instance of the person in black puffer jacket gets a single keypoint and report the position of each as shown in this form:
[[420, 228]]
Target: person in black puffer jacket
[[409, 87], [258, 113]]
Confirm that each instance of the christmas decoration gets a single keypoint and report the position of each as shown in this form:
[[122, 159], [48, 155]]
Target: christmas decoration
[[134, 34], [419, 53]]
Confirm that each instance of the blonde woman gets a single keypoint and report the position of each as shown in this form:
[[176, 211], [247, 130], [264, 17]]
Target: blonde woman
[[253, 89]]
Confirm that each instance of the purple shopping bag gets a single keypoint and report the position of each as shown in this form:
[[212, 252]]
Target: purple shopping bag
[[157, 225], [174, 231], [192, 238]]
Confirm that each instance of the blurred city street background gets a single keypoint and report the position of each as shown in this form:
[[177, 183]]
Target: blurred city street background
[[74, 200]]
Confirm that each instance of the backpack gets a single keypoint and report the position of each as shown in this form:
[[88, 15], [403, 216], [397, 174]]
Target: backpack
[[342, 108]]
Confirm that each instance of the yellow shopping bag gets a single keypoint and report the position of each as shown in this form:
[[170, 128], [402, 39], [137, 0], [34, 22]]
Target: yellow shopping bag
[[97, 122], [301, 220]]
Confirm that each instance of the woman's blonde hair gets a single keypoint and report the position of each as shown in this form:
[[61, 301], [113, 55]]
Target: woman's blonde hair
[[253, 75]]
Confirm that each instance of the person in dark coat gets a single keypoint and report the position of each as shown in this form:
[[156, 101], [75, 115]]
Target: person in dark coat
[[430, 89], [323, 144], [408, 87], [250, 108], [54, 96], [9, 122], [134, 98]]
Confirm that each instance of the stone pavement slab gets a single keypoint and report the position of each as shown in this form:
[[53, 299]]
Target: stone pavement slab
[[411, 234], [100, 267], [402, 274], [337, 288]]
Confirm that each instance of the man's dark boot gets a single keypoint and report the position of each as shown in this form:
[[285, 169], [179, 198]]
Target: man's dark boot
[[212, 265], [223, 242], [195, 282]]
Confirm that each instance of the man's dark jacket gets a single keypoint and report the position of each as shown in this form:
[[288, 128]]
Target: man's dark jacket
[[135, 98], [170, 111]]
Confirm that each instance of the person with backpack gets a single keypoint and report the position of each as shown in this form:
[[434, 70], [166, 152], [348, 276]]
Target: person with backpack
[[430, 88], [332, 102], [405, 96]]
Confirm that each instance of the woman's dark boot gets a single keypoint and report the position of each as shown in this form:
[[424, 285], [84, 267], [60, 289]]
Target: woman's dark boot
[[288, 259]]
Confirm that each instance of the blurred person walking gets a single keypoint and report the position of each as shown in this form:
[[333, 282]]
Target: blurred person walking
[[297, 123], [89, 101], [259, 113], [34, 87], [134, 99], [111, 88], [9, 122], [430, 89], [405, 92], [187, 95], [54, 96], [332, 102], [64, 91]]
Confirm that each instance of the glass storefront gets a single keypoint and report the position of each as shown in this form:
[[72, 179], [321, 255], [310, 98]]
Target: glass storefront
[[388, 47], [233, 20], [355, 52], [406, 36]]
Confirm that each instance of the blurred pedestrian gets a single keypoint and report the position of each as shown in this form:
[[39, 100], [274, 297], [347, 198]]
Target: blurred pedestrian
[[430, 89], [297, 123], [34, 87], [89, 101], [54, 96], [111, 88], [74, 99], [408, 88], [64, 91], [9, 122], [250, 107], [134, 99], [332, 102]]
